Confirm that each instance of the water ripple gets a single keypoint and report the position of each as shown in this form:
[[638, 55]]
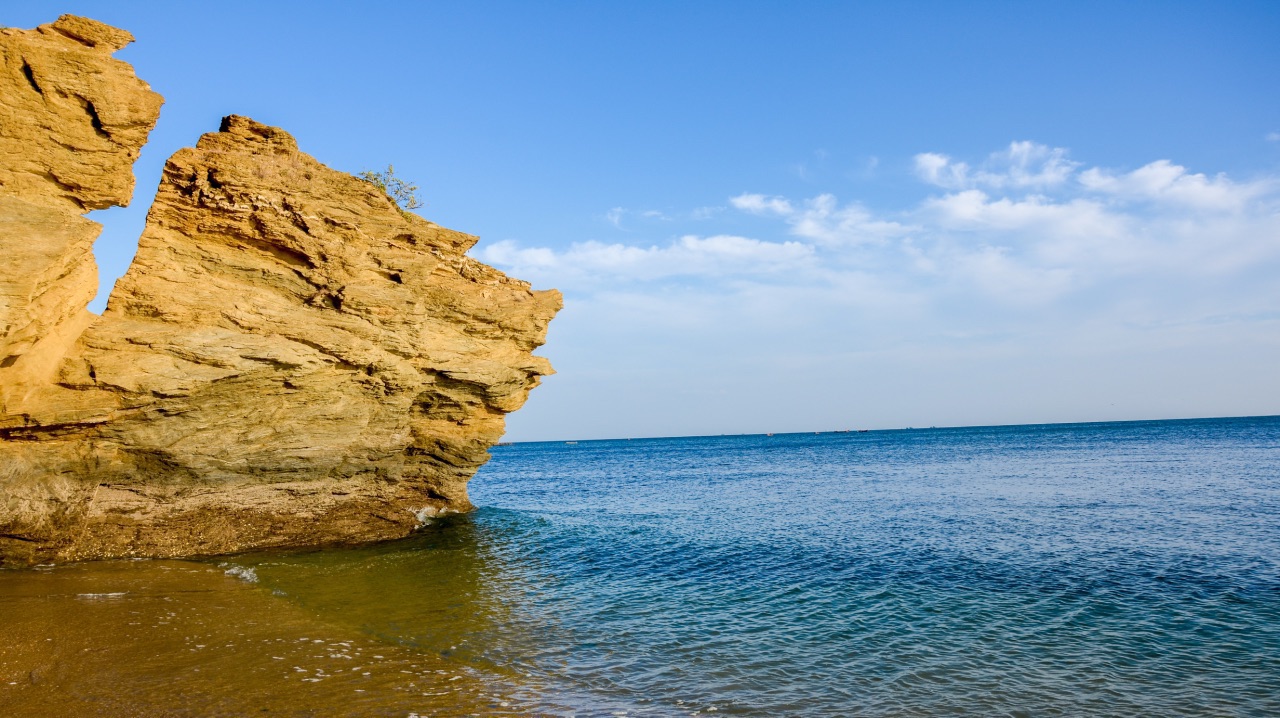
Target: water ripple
[[1109, 569]]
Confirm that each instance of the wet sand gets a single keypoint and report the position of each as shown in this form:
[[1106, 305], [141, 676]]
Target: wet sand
[[180, 638]]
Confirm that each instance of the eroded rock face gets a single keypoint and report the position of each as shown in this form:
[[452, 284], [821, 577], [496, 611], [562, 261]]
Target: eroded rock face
[[290, 360]]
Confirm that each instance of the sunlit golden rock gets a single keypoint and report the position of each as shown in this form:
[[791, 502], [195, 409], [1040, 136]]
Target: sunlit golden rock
[[290, 360]]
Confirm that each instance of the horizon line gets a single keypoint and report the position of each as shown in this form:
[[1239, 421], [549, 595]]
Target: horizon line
[[900, 428]]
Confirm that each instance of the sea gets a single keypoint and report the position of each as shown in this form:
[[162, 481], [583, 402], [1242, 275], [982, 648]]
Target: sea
[[1099, 569]]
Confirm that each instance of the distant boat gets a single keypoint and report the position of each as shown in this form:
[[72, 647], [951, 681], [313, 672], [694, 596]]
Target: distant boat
[[570, 442]]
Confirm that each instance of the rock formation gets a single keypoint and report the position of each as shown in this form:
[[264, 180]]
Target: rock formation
[[290, 360]]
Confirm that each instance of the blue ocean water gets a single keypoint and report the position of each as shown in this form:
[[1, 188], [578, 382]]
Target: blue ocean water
[[1088, 569]]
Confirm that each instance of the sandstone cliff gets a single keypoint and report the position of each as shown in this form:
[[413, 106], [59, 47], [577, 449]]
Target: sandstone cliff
[[290, 360]]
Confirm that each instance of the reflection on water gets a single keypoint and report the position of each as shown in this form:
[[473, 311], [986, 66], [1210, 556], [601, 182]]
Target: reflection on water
[[468, 590], [294, 635], [446, 592]]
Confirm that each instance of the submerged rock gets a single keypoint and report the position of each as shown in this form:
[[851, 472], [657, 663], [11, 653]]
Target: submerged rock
[[290, 360]]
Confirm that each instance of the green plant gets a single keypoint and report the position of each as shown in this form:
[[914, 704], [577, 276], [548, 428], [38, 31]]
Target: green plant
[[405, 195]]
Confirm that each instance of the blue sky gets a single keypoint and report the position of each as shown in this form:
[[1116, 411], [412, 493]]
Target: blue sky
[[798, 217]]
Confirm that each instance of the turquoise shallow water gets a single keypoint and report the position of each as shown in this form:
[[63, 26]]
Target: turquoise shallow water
[[1093, 569]]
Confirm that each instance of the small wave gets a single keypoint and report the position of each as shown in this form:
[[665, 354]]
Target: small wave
[[242, 572], [100, 596], [426, 513]]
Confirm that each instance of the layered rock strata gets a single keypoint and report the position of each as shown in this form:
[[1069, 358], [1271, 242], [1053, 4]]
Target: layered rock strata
[[291, 360]]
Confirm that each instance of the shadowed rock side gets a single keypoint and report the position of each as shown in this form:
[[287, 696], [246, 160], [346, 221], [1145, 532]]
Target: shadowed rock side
[[289, 361]]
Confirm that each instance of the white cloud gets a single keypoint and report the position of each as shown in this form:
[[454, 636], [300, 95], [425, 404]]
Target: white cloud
[[1028, 228], [1164, 181], [939, 170], [1037, 217], [1273, 137], [587, 263], [822, 219], [760, 204], [616, 215], [1022, 165], [1028, 164]]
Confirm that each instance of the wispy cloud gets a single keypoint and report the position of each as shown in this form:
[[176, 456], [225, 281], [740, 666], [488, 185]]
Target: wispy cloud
[[592, 263], [760, 204], [1026, 227], [1166, 182], [822, 219], [869, 168], [1021, 165], [627, 219]]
